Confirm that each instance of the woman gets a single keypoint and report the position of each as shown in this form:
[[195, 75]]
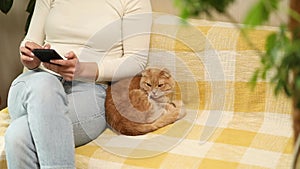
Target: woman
[[60, 105]]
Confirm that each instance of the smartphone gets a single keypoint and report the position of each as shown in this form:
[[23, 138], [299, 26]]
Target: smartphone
[[45, 55]]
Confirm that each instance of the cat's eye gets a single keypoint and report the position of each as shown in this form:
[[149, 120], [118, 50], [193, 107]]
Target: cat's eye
[[160, 85], [148, 84]]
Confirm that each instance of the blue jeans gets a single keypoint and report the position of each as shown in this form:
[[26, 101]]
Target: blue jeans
[[50, 118]]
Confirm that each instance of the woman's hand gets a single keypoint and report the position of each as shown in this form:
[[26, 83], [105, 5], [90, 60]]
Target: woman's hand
[[68, 69], [27, 57]]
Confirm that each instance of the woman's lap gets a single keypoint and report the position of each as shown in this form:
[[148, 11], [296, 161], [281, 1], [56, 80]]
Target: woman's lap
[[85, 102]]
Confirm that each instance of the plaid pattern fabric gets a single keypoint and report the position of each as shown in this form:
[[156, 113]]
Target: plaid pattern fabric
[[228, 125]]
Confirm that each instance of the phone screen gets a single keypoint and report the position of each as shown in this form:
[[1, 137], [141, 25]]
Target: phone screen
[[45, 55]]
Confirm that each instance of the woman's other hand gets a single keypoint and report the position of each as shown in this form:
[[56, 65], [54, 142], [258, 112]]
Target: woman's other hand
[[66, 68], [27, 57]]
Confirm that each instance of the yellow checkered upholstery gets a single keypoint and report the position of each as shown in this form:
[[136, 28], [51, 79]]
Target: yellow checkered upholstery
[[228, 125]]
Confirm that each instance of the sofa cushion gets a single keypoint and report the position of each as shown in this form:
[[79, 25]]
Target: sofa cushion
[[228, 125]]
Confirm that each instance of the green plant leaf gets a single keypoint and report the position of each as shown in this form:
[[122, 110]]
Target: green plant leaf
[[294, 14], [5, 5], [196, 7], [297, 83], [260, 12], [254, 79], [278, 87], [288, 91]]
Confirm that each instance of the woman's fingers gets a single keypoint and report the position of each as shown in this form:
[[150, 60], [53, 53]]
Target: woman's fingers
[[53, 67], [26, 58], [47, 46], [31, 45], [60, 62], [66, 68], [26, 51], [70, 55], [62, 67]]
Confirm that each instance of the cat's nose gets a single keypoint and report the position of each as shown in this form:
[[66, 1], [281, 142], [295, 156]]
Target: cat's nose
[[154, 93]]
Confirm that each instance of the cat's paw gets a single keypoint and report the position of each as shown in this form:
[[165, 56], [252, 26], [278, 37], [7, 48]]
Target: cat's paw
[[180, 109], [177, 103], [177, 108]]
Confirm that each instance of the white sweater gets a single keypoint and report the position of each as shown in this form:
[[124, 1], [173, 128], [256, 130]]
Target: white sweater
[[113, 33]]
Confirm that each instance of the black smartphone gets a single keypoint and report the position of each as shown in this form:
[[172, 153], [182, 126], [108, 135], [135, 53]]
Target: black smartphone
[[45, 55]]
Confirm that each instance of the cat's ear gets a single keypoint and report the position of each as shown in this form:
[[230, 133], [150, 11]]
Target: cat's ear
[[145, 72], [165, 72]]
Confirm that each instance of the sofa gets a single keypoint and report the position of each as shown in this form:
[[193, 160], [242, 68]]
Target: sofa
[[229, 124]]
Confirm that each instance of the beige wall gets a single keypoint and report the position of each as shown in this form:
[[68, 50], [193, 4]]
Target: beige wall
[[12, 32], [237, 10]]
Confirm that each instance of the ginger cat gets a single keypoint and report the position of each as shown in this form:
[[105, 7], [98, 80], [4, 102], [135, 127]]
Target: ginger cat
[[142, 104]]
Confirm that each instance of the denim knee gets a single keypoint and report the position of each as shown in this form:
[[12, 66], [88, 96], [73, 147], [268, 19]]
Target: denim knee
[[43, 83], [45, 87]]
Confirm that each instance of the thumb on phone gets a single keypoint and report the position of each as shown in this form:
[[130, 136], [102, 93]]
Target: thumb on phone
[[47, 46], [70, 55]]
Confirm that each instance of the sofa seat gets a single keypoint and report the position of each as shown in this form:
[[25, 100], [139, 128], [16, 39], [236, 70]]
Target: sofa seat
[[228, 125]]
